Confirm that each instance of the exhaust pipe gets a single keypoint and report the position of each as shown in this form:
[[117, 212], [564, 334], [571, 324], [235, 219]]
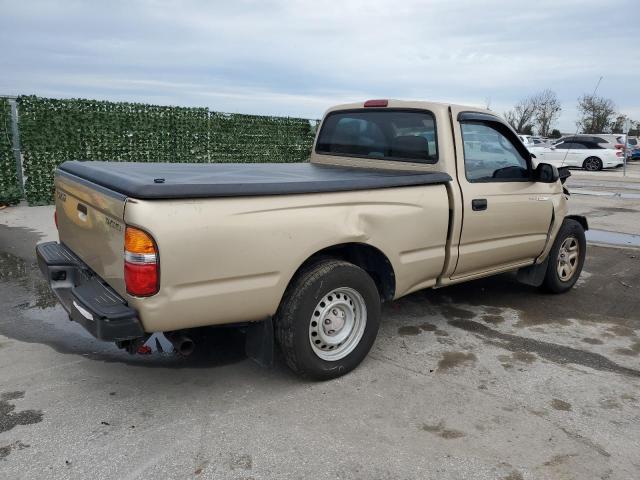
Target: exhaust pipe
[[184, 345]]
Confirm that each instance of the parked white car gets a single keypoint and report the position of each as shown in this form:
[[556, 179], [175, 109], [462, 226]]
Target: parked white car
[[582, 154], [605, 140], [527, 140]]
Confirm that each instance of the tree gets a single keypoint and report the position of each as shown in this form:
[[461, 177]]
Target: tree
[[555, 133], [547, 111], [527, 129], [521, 116], [618, 124], [596, 114]]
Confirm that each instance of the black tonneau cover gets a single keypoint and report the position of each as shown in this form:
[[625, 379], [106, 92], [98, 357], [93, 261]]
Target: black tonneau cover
[[200, 180]]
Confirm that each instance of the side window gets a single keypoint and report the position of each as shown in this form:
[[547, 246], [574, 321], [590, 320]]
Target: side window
[[490, 156], [565, 145]]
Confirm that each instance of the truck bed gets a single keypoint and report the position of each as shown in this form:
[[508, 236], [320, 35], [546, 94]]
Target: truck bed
[[204, 180]]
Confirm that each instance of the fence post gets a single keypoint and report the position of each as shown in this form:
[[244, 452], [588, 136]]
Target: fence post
[[15, 141]]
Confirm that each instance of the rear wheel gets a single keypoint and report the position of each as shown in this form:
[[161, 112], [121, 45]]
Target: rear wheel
[[566, 258], [592, 164], [328, 319]]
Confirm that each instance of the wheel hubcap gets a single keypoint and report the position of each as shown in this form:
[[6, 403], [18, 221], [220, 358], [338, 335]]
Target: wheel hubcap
[[337, 324], [568, 258]]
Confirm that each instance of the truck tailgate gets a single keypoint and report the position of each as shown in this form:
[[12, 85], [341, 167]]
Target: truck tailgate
[[90, 223]]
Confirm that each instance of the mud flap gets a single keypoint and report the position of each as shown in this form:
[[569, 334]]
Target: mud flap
[[260, 342], [534, 274]]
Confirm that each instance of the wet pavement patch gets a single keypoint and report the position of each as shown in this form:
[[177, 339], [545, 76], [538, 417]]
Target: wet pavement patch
[[5, 450], [493, 319], [632, 351], [515, 475], [521, 357], [26, 275], [412, 330], [428, 327], [454, 359], [621, 330], [558, 404], [613, 238], [9, 419], [549, 351], [409, 330], [451, 312], [558, 460], [440, 430]]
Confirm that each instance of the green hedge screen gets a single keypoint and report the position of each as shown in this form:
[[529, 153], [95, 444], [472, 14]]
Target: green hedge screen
[[53, 131]]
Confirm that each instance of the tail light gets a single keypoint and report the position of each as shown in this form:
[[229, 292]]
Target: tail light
[[376, 103], [141, 271], [619, 153], [619, 146]]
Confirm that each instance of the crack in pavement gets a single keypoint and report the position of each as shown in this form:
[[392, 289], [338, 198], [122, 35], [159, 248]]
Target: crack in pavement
[[556, 353]]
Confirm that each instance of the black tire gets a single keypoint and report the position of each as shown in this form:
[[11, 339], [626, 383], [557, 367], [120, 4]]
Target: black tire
[[553, 282], [592, 164], [293, 320]]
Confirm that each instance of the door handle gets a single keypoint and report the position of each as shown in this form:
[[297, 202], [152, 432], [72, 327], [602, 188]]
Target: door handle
[[479, 204]]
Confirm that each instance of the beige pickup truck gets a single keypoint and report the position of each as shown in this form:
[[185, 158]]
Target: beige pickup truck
[[397, 196]]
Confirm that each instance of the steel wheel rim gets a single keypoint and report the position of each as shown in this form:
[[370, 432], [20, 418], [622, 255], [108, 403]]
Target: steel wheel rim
[[568, 255], [337, 324]]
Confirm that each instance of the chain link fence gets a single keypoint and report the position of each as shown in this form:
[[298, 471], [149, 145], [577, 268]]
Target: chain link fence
[[55, 130]]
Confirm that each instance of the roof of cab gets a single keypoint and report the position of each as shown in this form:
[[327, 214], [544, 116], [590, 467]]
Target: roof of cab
[[427, 105]]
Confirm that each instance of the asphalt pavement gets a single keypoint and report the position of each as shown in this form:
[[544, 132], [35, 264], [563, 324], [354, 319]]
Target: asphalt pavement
[[485, 380]]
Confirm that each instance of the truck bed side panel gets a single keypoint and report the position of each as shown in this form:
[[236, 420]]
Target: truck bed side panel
[[229, 260]]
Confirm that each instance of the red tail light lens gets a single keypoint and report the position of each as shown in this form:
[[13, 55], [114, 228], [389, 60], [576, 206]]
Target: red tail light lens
[[619, 145], [619, 153], [376, 103], [141, 280], [140, 263]]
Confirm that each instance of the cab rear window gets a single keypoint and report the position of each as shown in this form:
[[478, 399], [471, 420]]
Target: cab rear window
[[388, 134]]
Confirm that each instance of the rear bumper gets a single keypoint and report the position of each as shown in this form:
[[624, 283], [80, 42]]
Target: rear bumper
[[85, 296]]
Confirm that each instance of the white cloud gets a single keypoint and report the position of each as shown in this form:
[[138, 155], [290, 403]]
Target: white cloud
[[299, 57]]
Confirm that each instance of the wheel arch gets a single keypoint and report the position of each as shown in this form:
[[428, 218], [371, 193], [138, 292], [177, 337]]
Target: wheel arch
[[582, 220], [369, 258]]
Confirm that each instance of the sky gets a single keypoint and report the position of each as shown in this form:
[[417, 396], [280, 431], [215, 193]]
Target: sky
[[297, 58]]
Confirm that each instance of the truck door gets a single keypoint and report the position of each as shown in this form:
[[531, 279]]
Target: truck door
[[506, 215]]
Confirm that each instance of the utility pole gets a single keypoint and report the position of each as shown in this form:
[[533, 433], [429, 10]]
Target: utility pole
[[626, 127]]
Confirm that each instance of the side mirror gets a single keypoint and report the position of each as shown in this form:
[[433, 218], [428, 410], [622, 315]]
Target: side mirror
[[546, 173]]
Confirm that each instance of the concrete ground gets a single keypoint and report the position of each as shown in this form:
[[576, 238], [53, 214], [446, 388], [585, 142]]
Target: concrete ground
[[485, 380]]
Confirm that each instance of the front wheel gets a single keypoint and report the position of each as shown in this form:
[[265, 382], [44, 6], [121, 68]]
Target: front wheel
[[328, 319], [566, 258], [592, 164]]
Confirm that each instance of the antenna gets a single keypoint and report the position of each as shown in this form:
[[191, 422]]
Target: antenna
[[578, 126]]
